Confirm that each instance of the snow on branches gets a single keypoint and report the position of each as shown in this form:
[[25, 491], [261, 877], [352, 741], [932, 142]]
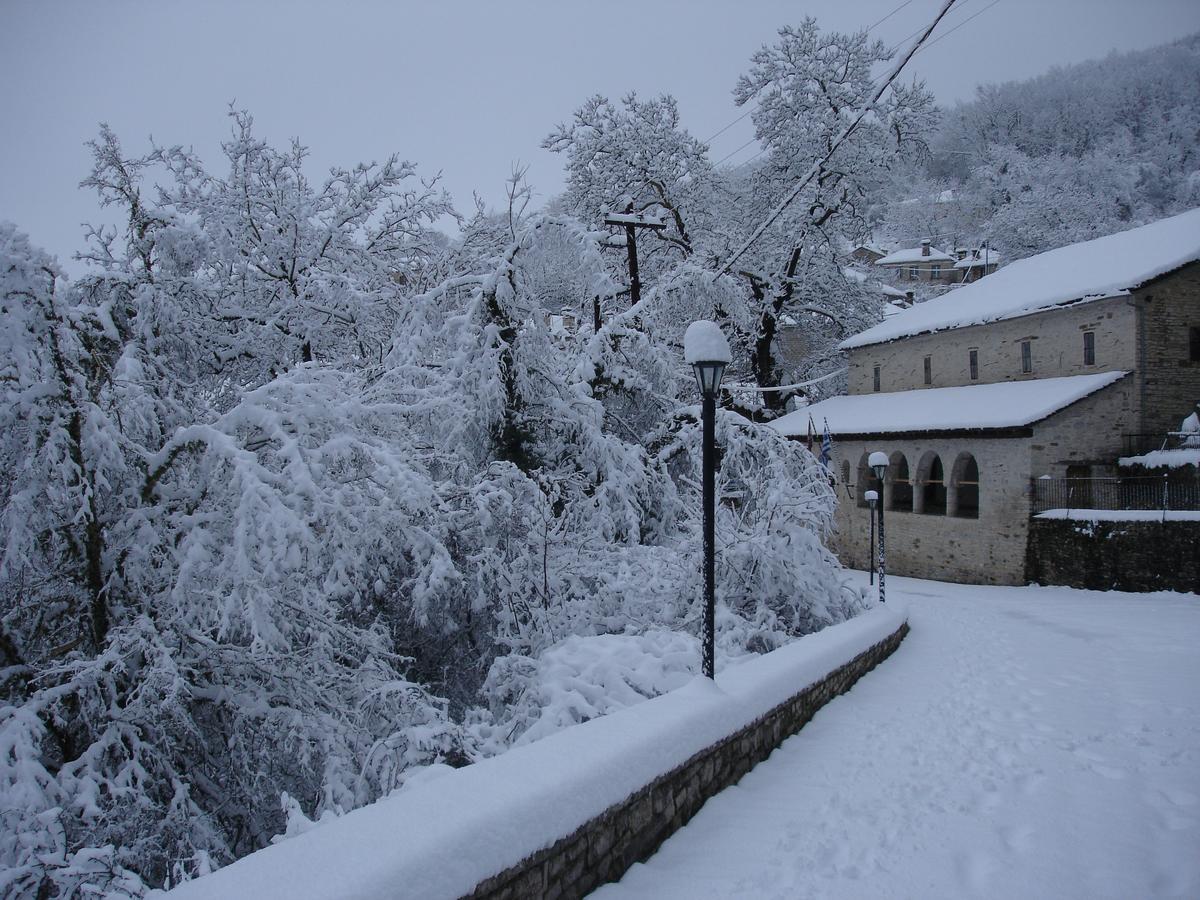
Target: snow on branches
[[297, 492]]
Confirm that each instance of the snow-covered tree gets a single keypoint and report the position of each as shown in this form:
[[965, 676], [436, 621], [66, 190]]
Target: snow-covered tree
[[809, 87]]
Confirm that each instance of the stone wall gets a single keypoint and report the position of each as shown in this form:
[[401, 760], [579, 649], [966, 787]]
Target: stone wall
[[1089, 431], [1126, 556], [1170, 386], [1056, 335], [989, 549], [603, 849]]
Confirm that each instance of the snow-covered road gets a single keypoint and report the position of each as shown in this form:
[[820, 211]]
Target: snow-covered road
[[1022, 742]]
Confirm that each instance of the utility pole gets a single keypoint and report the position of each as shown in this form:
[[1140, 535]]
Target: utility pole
[[631, 222]]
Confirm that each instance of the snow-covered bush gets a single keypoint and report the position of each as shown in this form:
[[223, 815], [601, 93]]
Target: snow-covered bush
[[297, 500]]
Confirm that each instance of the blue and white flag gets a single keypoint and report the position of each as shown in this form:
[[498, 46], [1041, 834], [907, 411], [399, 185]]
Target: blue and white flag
[[826, 456]]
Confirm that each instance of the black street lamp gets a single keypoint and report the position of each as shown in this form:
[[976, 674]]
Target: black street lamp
[[879, 462], [707, 351], [871, 497]]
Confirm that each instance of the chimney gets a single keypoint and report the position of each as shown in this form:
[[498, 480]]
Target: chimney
[[908, 297], [924, 248]]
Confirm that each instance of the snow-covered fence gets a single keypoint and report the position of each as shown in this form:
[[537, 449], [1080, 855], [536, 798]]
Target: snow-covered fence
[[564, 815], [1139, 492]]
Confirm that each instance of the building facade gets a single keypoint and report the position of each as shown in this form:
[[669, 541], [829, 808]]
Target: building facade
[[977, 393]]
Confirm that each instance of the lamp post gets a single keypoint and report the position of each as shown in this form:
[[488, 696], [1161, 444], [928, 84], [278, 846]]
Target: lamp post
[[879, 462], [707, 351], [871, 498]]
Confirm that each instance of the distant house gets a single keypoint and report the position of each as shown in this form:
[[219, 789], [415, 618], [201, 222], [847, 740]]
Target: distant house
[[924, 263], [1043, 370], [867, 254], [975, 262]]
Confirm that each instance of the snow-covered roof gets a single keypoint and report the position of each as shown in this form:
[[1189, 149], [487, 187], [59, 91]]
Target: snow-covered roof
[[1104, 267], [912, 255], [1005, 404], [888, 291]]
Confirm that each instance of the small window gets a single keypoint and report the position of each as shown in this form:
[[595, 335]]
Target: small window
[[876, 379], [1026, 357], [929, 370], [1194, 343], [974, 358], [935, 271], [914, 273], [1089, 348]]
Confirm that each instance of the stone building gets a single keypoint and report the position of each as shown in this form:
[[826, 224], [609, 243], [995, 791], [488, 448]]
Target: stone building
[[924, 263], [1044, 368]]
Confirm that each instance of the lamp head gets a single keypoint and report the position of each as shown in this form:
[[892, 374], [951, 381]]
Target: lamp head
[[878, 462], [705, 348], [871, 497]]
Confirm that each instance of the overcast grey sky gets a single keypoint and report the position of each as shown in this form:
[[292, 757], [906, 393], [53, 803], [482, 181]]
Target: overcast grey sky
[[467, 88]]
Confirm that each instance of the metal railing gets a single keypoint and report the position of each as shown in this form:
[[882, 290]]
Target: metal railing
[[1144, 492], [1135, 444]]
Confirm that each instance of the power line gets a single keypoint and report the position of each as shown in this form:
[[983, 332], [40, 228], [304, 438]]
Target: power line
[[871, 28], [878, 78], [845, 133], [889, 15], [737, 151], [960, 24], [727, 127]]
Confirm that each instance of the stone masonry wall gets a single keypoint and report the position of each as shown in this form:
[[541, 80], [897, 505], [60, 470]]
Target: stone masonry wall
[[1125, 556], [604, 848], [1171, 381], [1088, 431], [1056, 335], [986, 550]]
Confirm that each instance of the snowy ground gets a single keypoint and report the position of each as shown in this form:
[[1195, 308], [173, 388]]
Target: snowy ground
[[1022, 742]]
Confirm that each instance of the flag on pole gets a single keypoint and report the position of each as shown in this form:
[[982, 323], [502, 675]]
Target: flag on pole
[[826, 447]]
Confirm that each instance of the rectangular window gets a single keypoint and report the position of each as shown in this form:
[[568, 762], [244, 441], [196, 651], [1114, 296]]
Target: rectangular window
[[1089, 348], [935, 271], [1026, 357], [974, 357], [1194, 343], [877, 379], [929, 370], [913, 273]]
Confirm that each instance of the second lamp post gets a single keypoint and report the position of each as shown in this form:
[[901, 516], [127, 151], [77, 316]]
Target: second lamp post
[[878, 461], [707, 351]]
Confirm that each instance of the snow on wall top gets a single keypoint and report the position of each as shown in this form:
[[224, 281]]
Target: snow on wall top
[[443, 836], [1104, 267], [704, 342], [913, 254], [1006, 404], [1168, 459]]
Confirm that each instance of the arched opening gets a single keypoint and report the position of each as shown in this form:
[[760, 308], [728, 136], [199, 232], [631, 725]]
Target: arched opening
[[964, 487], [866, 480], [897, 485], [930, 486]]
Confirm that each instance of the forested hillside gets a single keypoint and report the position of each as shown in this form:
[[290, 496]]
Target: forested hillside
[[1076, 153]]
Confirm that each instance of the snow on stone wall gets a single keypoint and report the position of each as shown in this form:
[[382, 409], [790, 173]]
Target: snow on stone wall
[[582, 804]]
